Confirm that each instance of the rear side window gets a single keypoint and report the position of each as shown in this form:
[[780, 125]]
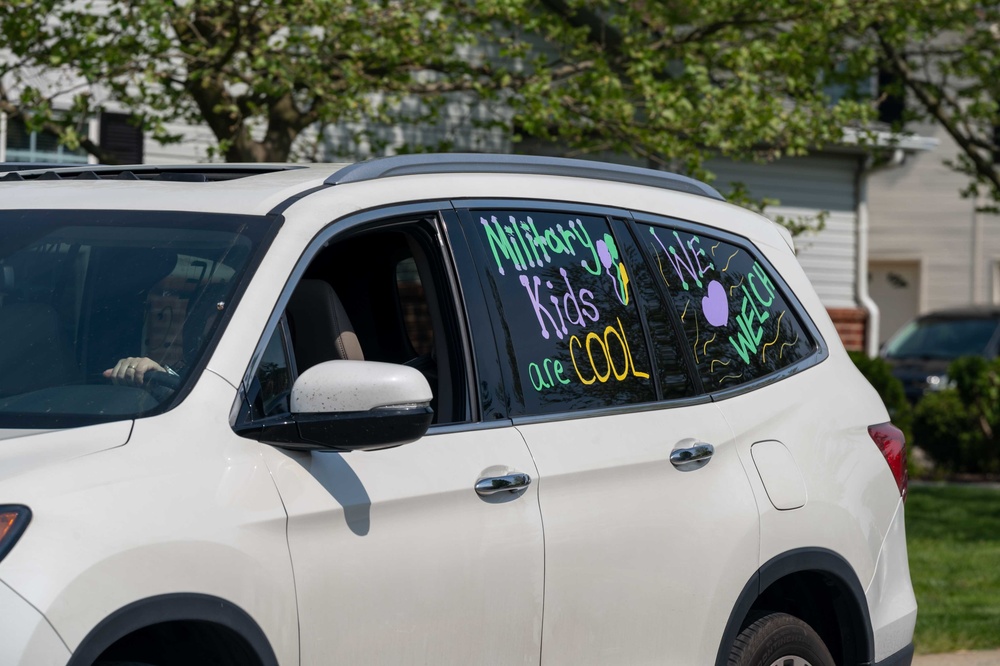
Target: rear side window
[[566, 312], [738, 323]]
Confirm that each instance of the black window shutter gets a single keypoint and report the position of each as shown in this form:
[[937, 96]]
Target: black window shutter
[[120, 139], [892, 104]]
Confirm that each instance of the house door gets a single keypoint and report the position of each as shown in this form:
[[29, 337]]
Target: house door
[[895, 287]]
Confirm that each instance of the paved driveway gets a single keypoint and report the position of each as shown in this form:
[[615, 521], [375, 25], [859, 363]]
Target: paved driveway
[[983, 658]]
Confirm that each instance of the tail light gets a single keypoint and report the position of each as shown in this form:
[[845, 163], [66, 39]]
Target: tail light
[[892, 444], [13, 520]]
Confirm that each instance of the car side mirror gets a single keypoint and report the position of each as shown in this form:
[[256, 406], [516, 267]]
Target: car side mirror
[[352, 406]]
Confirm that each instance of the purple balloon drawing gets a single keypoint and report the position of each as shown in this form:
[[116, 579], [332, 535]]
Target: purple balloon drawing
[[604, 254], [716, 305]]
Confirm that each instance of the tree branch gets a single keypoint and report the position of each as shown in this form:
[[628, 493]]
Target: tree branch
[[935, 101]]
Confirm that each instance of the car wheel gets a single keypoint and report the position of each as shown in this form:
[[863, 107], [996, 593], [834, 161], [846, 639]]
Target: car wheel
[[779, 639]]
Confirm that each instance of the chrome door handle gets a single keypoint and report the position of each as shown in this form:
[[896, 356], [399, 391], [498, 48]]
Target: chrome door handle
[[506, 483], [693, 457]]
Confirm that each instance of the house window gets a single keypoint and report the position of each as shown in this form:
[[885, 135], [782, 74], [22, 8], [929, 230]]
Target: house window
[[23, 145], [121, 141]]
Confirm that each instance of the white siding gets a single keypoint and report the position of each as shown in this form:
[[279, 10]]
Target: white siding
[[806, 186], [917, 213], [463, 125], [193, 148], [829, 257]]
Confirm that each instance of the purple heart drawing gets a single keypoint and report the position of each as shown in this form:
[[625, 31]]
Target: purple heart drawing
[[716, 305]]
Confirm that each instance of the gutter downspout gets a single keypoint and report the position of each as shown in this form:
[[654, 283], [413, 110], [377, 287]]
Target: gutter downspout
[[94, 134], [861, 282], [977, 291]]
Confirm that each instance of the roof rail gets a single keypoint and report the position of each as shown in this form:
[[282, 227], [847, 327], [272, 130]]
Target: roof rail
[[172, 172], [407, 165], [34, 166]]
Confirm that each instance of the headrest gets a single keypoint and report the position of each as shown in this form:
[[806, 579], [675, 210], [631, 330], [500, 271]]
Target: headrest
[[321, 330]]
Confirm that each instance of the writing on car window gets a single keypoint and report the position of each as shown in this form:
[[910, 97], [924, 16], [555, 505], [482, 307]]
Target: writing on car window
[[738, 324], [566, 310]]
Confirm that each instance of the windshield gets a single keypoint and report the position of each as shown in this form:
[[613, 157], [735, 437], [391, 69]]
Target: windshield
[[942, 338], [105, 315]]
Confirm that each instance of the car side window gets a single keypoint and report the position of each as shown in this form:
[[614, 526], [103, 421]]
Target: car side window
[[566, 314], [738, 323], [272, 384], [380, 294], [668, 353]]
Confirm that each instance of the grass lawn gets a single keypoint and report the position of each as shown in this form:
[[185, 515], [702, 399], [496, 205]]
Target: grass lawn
[[953, 538]]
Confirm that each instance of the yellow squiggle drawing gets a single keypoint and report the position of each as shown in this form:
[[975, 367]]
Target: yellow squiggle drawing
[[737, 286], [781, 349], [777, 332], [715, 246], [730, 260], [685, 310], [730, 377], [711, 368], [695, 337], [704, 348]]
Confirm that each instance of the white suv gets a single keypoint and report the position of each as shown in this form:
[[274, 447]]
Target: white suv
[[450, 409]]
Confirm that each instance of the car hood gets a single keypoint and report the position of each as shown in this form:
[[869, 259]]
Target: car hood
[[24, 450], [919, 366]]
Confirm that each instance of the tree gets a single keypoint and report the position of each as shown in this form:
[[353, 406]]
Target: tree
[[942, 56], [666, 81]]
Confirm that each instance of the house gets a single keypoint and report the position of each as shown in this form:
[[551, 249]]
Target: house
[[929, 248]]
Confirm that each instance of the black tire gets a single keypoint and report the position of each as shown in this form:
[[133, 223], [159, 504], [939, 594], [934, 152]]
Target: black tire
[[778, 637]]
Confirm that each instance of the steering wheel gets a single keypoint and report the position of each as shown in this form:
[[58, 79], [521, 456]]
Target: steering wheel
[[155, 378]]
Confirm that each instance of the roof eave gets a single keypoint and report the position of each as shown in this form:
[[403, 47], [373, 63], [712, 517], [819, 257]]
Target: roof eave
[[866, 139]]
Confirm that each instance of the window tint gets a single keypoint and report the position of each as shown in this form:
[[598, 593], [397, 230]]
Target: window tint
[[269, 394], [82, 291], [566, 313], [671, 369], [942, 338], [739, 326], [375, 295]]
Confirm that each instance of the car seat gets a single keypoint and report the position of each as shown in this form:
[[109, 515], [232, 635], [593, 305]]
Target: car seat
[[319, 325]]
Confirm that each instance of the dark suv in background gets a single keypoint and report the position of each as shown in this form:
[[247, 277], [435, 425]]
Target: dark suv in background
[[922, 350]]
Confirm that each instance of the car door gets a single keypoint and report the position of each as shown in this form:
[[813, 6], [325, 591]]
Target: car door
[[398, 559], [812, 464], [650, 534]]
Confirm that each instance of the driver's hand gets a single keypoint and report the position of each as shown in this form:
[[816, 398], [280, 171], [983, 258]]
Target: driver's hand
[[132, 371]]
